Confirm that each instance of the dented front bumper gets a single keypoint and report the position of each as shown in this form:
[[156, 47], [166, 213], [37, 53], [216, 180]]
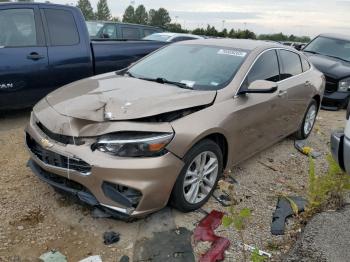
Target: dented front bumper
[[132, 186]]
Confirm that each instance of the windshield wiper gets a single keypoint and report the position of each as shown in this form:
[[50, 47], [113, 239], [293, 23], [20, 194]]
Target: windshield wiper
[[166, 81]]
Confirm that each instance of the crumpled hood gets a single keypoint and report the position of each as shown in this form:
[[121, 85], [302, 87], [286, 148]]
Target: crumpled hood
[[335, 68], [112, 97]]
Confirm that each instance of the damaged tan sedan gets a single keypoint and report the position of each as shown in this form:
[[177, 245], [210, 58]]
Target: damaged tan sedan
[[165, 129]]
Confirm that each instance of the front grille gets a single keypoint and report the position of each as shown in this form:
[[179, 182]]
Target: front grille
[[60, 138], [54, 159], [331, 84]]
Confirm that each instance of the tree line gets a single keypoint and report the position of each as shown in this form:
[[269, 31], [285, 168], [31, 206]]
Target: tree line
[[161, 18]]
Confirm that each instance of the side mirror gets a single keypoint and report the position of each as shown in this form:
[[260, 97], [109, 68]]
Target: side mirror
[[261, 86]]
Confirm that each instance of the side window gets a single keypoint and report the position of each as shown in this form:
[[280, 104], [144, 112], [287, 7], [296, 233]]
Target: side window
[[147, 32], [108, 31], [130, 33], [290, 64], [62, 28], [305, 64], [17, 28], [265, 68]]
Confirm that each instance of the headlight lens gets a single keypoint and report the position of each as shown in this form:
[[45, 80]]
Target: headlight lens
[[344, 85], [133, 144]]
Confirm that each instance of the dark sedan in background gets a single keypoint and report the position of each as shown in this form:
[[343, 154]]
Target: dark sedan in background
[[330, 53]]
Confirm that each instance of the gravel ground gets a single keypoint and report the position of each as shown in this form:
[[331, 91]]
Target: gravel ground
[[35, 219]]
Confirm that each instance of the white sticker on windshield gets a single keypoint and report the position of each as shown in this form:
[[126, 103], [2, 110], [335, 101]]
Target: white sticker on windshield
[[231, 52], [188, 83]]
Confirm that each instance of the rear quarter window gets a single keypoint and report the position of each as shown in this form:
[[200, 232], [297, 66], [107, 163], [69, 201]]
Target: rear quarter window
[[61, 27], [290, 64]]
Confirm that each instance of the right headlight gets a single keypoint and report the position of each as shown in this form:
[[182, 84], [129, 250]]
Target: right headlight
[[344, 85], [133, 144]]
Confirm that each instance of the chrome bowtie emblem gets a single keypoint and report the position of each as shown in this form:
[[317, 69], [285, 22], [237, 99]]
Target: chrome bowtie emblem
[[46, 143]]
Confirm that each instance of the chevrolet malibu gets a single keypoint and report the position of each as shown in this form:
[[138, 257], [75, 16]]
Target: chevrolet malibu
[[165, 129]]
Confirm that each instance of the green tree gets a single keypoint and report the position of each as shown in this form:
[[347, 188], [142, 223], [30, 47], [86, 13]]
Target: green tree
[[159, 18], [86, 9], [129, 15], [103, 12], [141, 15], [175, 28]]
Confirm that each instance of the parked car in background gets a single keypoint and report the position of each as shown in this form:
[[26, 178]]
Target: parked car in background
[[169, 125], [172, 37], [45, 46], [296, 45], [340, 145], [100, 30], [330, 53]]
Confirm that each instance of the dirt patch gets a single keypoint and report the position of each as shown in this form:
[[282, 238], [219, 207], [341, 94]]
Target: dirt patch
[[35, 218]]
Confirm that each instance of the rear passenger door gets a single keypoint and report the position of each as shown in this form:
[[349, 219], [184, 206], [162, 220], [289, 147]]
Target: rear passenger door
[[293, 84], [68, 49], [23, 56]]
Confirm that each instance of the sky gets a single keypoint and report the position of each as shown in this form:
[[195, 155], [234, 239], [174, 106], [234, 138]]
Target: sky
[[299, 17]]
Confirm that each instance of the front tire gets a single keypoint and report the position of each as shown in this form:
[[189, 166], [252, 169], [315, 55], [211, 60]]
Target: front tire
[[199, 176], [308, 121]]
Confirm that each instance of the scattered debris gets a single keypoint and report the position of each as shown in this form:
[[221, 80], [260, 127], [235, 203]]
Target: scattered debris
[[252, 249], [217, 250], [110, 237], [301, 146], [205, 232], [285, 208], [53, 256], [92, 259], [124, 259], [222, 197], [171, 246]]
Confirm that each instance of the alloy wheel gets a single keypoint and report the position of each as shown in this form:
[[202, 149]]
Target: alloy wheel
[[200, 177], [310, 119]]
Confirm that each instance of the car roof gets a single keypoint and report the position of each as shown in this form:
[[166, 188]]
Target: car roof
[[247, 44], [337, 36]]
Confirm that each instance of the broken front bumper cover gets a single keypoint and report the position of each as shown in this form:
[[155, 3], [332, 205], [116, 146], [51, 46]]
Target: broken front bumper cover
[[144, 184]]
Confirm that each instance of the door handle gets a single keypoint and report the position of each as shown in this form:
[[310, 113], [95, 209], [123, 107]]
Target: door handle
[[307, 84], [35, 56], [282, 93]]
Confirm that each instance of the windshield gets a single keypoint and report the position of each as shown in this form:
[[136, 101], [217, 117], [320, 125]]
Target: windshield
[[157, 37], [330, 47], [94, 28], [197, 66]]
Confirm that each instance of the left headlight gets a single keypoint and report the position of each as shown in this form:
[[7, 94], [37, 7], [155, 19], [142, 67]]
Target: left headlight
[[133, 144], [344, 85]]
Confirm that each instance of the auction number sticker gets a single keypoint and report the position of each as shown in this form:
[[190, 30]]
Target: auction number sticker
[[232, 52]]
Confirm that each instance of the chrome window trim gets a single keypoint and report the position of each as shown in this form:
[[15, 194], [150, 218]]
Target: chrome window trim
[[263, 52]]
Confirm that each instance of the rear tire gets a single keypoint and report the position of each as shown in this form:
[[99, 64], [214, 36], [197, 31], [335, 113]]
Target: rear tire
[[308, 121], [201, 172]]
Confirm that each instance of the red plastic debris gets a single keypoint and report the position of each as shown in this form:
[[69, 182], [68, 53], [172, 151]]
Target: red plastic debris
[[217, 250], [205, 229], [205, 232]]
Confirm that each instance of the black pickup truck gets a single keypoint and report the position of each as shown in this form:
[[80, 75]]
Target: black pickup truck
[[45, 46], [330, 53]]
